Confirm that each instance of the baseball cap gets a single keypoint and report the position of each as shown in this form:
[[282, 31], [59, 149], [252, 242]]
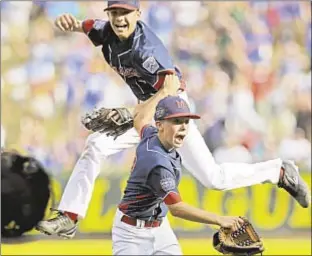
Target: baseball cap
[[128, 5], [173, 107]]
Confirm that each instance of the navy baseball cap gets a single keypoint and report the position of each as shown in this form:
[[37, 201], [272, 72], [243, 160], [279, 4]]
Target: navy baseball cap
[[173, 107], [128, 5]]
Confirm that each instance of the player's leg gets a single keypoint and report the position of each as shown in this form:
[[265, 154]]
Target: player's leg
[[166, 242], [78, 191], [127, 241], [198, 160], [130, 240]]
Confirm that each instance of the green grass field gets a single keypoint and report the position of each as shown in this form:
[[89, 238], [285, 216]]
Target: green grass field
[[103, 247]]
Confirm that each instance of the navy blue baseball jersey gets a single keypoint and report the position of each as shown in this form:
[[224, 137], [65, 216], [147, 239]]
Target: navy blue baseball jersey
[[154, 179], [142, 60]]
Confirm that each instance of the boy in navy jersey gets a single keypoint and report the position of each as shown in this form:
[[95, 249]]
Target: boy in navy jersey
[[140, 225]]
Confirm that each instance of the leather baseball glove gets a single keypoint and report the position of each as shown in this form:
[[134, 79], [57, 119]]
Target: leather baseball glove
[[102, 120], [244, 241]]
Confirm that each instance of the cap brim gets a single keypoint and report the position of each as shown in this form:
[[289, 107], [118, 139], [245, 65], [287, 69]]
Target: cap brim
[[188, 115], [120, 6]]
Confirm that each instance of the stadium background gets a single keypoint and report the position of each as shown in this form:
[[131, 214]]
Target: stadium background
[[248, 72]]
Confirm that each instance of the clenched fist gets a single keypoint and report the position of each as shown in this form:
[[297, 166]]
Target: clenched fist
[[67, 22]]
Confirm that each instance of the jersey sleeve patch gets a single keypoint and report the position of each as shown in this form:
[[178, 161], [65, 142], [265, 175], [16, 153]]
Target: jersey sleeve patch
[[99, 24], [167, 184], [151, 65]]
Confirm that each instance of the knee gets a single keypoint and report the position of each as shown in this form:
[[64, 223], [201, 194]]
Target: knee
[[90, 149], [99, 145], [91, 140]]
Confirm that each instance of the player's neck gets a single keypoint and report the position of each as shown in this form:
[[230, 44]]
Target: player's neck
[[166, 146]]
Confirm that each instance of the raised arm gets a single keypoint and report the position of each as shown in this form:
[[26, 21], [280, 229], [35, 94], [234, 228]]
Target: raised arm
[[67, 22], [95, 29], [143, 113]]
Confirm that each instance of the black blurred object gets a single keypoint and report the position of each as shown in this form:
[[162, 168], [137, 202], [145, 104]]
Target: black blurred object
[[25, 192]]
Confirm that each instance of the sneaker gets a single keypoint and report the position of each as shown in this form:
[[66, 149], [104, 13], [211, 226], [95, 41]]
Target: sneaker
[[294, 184], [61, 225]]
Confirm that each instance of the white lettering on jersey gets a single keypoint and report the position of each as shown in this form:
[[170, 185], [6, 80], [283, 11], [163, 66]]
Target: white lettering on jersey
[[126, 72]]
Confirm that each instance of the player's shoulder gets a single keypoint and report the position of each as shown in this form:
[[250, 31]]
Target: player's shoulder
[[147, 136], [146, 41], [147, 34], [103, 27], [108, 31], [148, 130], [149, 51]]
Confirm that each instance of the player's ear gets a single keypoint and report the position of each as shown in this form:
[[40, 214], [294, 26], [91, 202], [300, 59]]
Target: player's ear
[[138, 13], [158, 125]]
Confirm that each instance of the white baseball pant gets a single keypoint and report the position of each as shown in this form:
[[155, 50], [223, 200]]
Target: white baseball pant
[[196, 158], [131, 240]]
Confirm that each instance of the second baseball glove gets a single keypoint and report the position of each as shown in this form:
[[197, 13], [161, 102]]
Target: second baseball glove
[[99, 120], [244, 241]]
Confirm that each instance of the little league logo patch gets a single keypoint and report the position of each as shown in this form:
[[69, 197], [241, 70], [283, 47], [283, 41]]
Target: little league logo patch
[[151, 65], [167, 184], [160, 112]]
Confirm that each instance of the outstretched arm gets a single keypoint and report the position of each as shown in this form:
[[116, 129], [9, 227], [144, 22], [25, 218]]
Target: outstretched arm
[[188, 212], [163, 183], [68, 23]]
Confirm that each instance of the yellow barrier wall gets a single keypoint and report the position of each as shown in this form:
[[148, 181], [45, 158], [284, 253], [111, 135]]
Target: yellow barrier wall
[[269, 208], [284, 226]]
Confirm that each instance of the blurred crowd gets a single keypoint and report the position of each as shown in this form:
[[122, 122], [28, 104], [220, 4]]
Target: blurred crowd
[[247, 66]]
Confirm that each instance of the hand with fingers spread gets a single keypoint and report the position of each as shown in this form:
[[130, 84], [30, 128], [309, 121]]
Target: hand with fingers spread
[[67, 22]]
